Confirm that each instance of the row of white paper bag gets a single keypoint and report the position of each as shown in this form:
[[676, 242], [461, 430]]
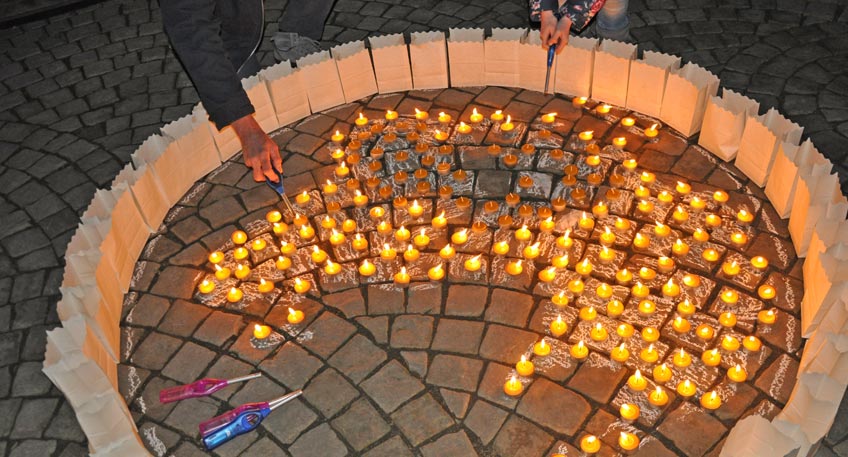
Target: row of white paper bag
[[82, 355]]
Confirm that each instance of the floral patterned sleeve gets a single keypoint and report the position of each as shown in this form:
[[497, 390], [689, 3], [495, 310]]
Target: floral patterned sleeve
[[579, 11]]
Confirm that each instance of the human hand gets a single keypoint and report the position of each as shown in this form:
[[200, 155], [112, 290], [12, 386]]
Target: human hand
[[553, 31], [260, 152]]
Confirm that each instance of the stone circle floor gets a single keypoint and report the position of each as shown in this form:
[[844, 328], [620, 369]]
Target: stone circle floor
[[79, 91], [420, 369]]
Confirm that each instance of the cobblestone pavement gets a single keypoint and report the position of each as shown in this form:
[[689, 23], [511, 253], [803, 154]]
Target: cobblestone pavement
[[420, 370], [80, 90]]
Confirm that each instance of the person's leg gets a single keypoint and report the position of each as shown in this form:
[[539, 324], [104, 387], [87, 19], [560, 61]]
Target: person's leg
[[612, 21], [241, 31], [300, 28]]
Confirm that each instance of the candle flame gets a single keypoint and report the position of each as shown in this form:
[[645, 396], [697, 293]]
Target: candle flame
[[361, 116], [581, 344], [508, 119], [402, 270], [262, 280], [687, 384], [474, 112], [217, 267], [499, 112], [591, 439], [651, 348], [653, 127], [523, 358], [441, 215], [366, 262], [298, 281]]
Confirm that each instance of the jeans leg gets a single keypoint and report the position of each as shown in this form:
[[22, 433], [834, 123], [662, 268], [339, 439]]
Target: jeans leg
[[306, 17], [613, 22]]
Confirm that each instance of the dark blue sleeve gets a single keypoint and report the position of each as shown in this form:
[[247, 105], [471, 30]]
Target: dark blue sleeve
[[195, 33]]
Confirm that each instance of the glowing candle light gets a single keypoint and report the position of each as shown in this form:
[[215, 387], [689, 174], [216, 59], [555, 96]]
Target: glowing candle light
[[234, 295], [619, 141], [564, 241], [460, 237], [473, 264], [710, 255], [662, 373], [328, 222], [265, 286], [680, 214], [359, 199], [642, 192], [710, 400], [759, 262], [590, 444], [598, 332], [649, 354], [767, 317], [342, 170], [306, 232], [712, 220], [367, 268], [411, 254], [448, 252], [721, 196], [737, 374], [329, 188], [630, 164], [711, 358], [614, 307], [475, 117], [588, 313], [658, 397], [359, 242], [421, 115], [514, 267], [586, 135], [705, 332], [440, 135], [766, 292], [623, 276], [216, 257], [680, 248], [361, 120], [680, 325], [541, 348], [603, 109], [620, 353], [338, 137], [629, 412], [513, 387], [607, 238], [645, 206], [686, 308], [697, 203], [560, 299], [388, 253], [402, 234], [547, 225], [302, 198], [337, 238], [604, 291], [624, 330], [647, 307], [661, 229], [593, 160], [730, 343], [547, 274], [637, 382], [439, 221], [549, 118], [586, 222], [730, 268], [584, 267], [727, 319], [665, 196], [239, 237], [576, 286], [686, 388], [318, 255], [500, 248], [579, 351], [260, 332], [524, 367], [681, 359], [206, 286], [752, 343], [280, 228], [339, 154], [221, 273], [242, 271], [332, 268], [647, 274], [640, 290], [744, 217], [558, 327], [507, 126], [600, 210], [665, 264], [671, 289], [384, 227], [301, 286], [652, 131], [402, 277]]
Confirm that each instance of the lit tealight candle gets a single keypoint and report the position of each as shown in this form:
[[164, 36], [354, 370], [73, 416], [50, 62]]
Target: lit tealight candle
[[206, 286], [681, 359], [645, 206], [549, 118], [727, 319], [576, 286], [767, 317], [603, 108], [306, 232], [221, 273], [766, 292], [630, 164], [579, 351], [629, 412], [665, 264], [637, 382], [623, 276], [640, 290], [560, 299], [500, 248], [367, 268], [473, 264], [234, 295], [514, 267], [711, 358], [614, 307], [361, 120], [447, 252], [436, 273], [265, 286], [607, 238], [647, 274], [737, 374], [260, 332], [242, 271], [652, 131], [705, 332], [697, 203], [619, 141], [686, 308], [662, 373], [239, 237], [240, 253], [338, 137], [647, 307], [680, 325], [337, 238], [650, 334], [730, 343], [301, 286], [330, 187], [332, 268], [216, 257], [671, 289], [524, 367], [547, 274], [710, 255], [564, 241], [730, 268], [600, 210], [759, 262], [508, 126], [584, 267], [658, 397], [590, 444], [359, 199], [620, 353], [710, 400], [402, 234], [744, 217], [342, 170], [680, 248], [586, 135], [598, 332], [463, 128], [588, 313], [402, 277], [439, 221], [752, 343], [541, 348], [440, 135], [649, 354], [475, 117], [558, 327], [513, 387], [624, 330], [687, 388]]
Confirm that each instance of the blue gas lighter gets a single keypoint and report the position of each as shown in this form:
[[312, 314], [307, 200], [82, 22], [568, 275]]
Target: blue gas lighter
[[278, 188], [220, 429], [551, 52]]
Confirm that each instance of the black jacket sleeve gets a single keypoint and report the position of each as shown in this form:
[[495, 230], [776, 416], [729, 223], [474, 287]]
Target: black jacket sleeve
[[195, 33]]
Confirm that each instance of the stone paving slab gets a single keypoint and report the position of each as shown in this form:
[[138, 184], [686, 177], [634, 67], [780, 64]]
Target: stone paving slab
[[80, 89]]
